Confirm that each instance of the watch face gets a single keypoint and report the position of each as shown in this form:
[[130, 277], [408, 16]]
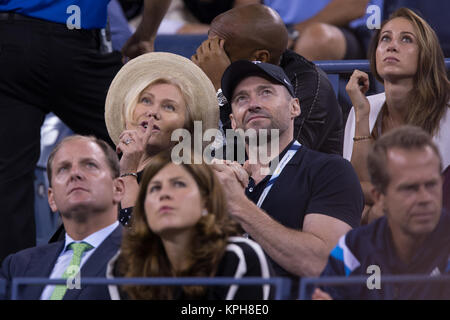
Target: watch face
[[221, 98]]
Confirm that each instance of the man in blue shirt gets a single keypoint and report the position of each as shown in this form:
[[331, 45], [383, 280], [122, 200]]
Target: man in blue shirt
[[327, 29], [86, 189], [53, 57], [412, 238]]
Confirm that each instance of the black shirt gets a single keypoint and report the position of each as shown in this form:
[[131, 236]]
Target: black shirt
[[242, 258], [311, 182]]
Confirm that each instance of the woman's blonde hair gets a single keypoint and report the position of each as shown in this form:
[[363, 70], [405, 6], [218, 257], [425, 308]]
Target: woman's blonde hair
[[142, 251], [430, 96]]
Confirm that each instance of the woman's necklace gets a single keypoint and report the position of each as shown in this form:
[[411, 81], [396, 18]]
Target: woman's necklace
[[388, 123]]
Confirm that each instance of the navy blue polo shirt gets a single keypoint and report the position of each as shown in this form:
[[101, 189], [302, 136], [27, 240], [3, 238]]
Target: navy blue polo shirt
[[92, 12], [311, 182], [373, 245]]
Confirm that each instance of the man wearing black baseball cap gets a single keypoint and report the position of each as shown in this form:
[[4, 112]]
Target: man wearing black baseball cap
[[243, 69], [257, 32], [298, 213]]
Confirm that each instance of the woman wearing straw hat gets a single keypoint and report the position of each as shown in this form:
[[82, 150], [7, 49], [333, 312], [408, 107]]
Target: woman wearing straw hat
[[149, 98]]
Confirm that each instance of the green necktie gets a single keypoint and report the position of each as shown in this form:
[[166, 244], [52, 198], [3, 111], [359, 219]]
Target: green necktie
[[78, 249]]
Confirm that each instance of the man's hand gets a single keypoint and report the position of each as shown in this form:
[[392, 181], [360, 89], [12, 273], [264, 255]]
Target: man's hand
[[136, 45], [227, 168], [320, 295], [212, 59], [233, 178], [142, 41]]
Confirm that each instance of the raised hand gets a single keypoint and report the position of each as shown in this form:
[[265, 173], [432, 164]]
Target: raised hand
[[132, 146], [212, 59], [357, 88], [320, 295], [136, 45]]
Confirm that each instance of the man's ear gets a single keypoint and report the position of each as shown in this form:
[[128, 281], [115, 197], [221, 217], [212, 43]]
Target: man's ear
[[295, 108], [262, 55], [118, 190], [378, 197], [51, 200], [233, 122]]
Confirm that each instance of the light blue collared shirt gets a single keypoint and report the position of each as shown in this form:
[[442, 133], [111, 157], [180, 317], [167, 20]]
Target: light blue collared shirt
[[66, 254]]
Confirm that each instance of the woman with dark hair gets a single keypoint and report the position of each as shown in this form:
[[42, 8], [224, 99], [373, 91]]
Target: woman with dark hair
[[406, 57], [181, 228]]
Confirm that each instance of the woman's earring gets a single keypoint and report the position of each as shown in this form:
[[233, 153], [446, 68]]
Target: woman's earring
[[204, 212]]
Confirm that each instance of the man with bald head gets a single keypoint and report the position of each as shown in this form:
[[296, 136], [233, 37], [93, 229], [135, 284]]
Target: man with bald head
[[256, 32]]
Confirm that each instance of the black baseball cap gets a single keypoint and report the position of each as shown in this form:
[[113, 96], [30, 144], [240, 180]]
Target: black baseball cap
[[239, 70]]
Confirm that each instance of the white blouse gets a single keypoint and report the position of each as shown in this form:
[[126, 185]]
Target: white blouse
[[442, 138]]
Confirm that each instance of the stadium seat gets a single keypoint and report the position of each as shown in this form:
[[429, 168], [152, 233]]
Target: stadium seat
[[183, 45]]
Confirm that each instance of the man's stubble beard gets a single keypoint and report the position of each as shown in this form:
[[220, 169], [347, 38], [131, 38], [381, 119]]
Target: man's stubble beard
[[80, 214]]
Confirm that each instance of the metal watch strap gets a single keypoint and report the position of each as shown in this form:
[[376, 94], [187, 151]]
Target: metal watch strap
[[221, 98]]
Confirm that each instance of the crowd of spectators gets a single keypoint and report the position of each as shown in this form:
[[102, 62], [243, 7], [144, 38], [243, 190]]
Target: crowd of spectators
[[300, 190]]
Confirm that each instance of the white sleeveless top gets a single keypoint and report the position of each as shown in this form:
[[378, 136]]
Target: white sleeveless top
[[442, 138]]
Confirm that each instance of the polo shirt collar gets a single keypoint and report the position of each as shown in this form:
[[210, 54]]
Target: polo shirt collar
[[283, 152], [294, 160]]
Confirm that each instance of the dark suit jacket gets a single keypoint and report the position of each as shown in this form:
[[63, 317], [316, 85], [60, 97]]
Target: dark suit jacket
[[39, 262]]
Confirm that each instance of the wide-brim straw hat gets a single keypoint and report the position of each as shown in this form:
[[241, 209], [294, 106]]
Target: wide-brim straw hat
[[161, 64]]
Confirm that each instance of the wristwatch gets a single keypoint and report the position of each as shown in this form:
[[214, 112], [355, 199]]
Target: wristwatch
[[221, 98]]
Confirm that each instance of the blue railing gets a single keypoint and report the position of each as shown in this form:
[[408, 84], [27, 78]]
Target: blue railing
[[282, 285], [335, 68], [348, 66], [362, 280], [343, 66]]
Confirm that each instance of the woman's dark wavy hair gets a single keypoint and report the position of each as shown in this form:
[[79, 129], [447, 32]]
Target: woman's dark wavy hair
[[431, 94], [142, 251]]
